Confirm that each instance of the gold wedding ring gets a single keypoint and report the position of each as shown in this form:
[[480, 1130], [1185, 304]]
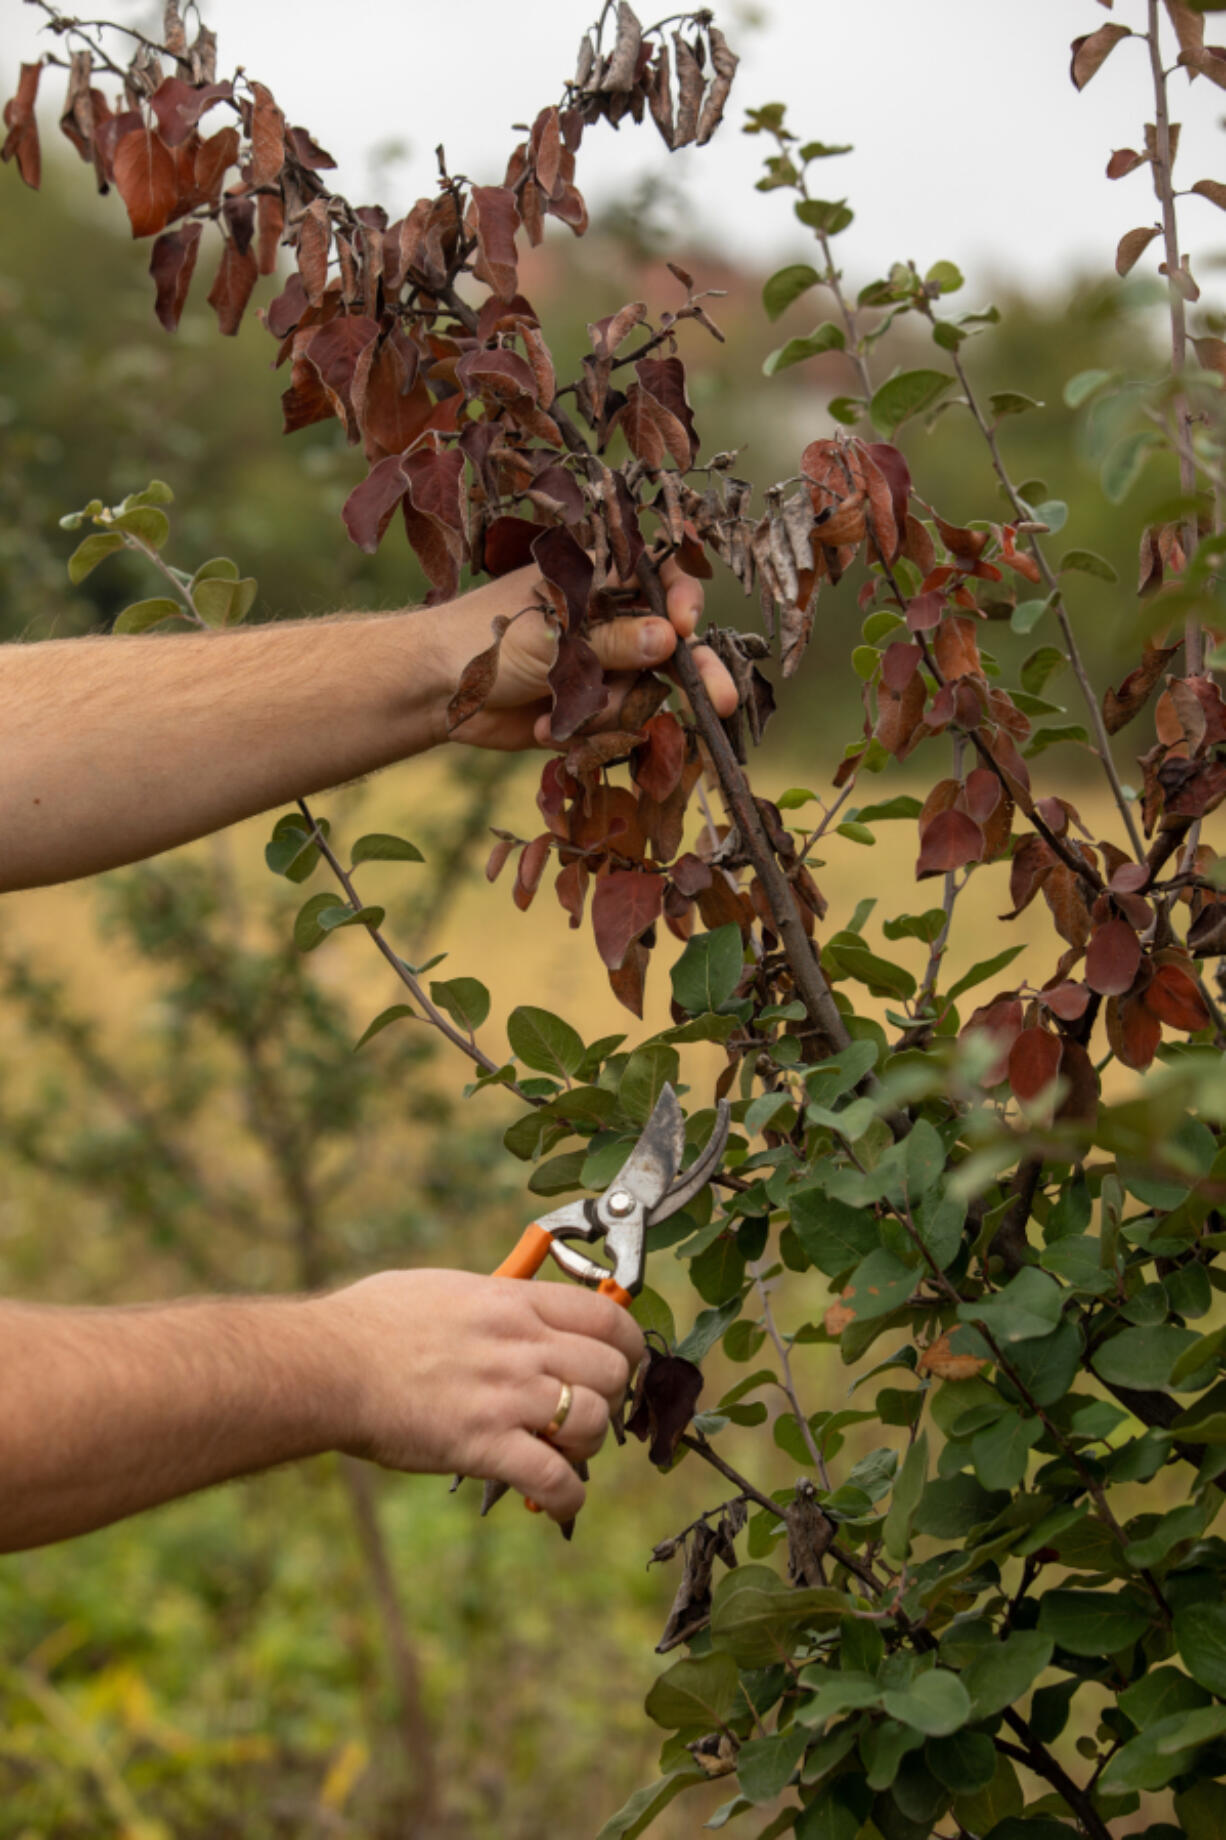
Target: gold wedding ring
[[566, 1398]]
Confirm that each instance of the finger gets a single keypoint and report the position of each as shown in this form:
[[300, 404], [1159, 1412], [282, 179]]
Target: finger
[[541, 1473], [631, 644], [717, 680], [586, 1362], [684, 596], [585, 1313], [586, 1424]]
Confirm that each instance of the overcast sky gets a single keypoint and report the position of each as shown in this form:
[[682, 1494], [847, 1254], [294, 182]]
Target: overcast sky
[[970, 142]]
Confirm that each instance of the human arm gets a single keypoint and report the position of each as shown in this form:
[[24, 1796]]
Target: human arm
[[109, 1411], [117, 748]]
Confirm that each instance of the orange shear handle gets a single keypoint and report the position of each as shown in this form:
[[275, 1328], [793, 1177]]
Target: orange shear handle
[[525, 1260]]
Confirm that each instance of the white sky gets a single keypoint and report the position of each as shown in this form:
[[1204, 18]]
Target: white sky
[[970, 141]]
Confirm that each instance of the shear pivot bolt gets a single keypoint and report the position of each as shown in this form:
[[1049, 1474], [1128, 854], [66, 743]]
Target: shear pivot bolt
[[619, 1204]]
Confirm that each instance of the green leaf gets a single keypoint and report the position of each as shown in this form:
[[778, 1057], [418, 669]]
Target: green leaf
[[936, 1703], [1160, 1693], [217, 568], [1201, 1810], [157, 492], [1142, 1358], [1092, 1622], [999, 1451], [465, 1000], [1011, 402], [787, 285], [331, 919], [755, 1616], [826, 337], [146, 523], [542, 1040], [709, 1325], [836, 1692], [1003, 1671], [879, 1284], [1029, 1305], [1164, 1750], [1085, 384], [382, 1020], [1200, 1637], [926, 926], [854, 832], [980, 973], [908, 1489], [379, 846], [946, 277], [837, 1812], [291, 851], [141, 615], [1040, 666], [308, 933], [908, 394], [650, 1311], [224, 603], [846, 410], [637, 1815], [765, 1766], [93, 550], [794, 798], [952, 1506], [923, 1159], [834, 1236], [903, 805], [1027, 614], [964, 1762], [1185, 1523], [708, 970], [828, 215], [698, 1693], [883, 1745], [646, 1074], [1088, 562], [848, 957], [1125, 463]]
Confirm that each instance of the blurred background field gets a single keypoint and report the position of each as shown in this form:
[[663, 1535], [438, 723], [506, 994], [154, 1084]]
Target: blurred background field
[[180, 1109]]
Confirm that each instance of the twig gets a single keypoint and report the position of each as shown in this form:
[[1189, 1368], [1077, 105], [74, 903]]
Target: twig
[[789, 1384], [431, 1014], [1194, 651]]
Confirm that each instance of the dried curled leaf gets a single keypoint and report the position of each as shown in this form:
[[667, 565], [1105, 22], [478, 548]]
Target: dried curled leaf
[[477, 678]]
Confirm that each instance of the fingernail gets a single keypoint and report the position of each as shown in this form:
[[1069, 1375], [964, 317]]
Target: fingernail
[[653, 641]]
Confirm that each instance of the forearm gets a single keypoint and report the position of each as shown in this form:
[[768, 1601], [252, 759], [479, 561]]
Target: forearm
[[117, 748], [105, 1412]]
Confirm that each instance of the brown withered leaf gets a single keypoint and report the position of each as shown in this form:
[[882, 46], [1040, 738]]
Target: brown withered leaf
[[21, 142], [231, 290], [267, 137], [239, 218], [172, 264], [660, 95], [213, 159], [625, 902], [691, 1607], [270, 216], [1123, 161], [578, 686], [1034, 1062], [1207, 933], [1062, 892], [955, 647], [496, 860], [950, 842], [658, 762], [390, 401], [1132, 246], [1120, 706], [1112, 959], [1134, 1032], [1033, 861], [629, 980], [1175, 998], [810, 1534], [369, 507], [665, 1397], [530, 868], [178, 106], [1080, 1102], [1001, 1021], [1091, 52], [497, 219], [147, 180], [1189, 29], [571, 890], [619, 73], [725, 64], [939, 1360], [478, 676], [689, 92]]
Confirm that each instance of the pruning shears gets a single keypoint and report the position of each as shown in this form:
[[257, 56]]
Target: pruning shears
[[649, 1187]]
